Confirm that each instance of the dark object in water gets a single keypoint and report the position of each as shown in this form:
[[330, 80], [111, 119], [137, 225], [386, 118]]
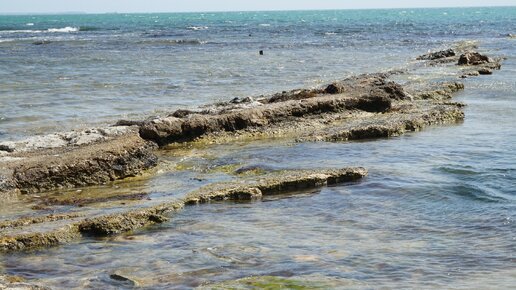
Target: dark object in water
[[485, 71], [261, 52], [7, 148], [41, 42]]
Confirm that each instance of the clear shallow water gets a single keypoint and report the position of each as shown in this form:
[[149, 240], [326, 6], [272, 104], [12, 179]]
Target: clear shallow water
[[95, 69], [437, 210]]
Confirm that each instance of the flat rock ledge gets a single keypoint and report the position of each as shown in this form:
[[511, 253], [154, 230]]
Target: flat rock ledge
[[360, 107], [32, 169], [30, 233]]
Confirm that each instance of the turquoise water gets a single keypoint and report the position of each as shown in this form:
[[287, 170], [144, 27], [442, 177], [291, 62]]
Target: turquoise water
[[437, 210], [91, 69]]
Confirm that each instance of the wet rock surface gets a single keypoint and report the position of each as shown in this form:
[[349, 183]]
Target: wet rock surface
[[437, 55], [98, 160], [473, 58], [18, 283], [370, 102], [361, 107], [485, 71], [26, 233]]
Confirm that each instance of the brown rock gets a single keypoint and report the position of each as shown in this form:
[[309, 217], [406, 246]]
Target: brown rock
[[66, 167], [485, 71], [437, 55], [473, 58]]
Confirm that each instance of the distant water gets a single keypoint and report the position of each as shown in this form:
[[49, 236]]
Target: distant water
[[437, 210], [59, 72]]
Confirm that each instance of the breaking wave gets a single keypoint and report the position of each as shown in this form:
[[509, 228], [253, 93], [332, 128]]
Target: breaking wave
[[173, 42], [50, 30], [65, 29], [197, 27]]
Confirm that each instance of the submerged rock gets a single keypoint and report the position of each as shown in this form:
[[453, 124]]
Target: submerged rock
[[485, 71], [118, 276], [41, 42], [18, 283], [128, 220], [276, 282], [470, 74]]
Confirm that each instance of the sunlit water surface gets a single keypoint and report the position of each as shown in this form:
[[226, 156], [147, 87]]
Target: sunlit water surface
[[436, 211]]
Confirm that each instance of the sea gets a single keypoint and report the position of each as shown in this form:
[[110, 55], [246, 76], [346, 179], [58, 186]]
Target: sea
[[437, 210]]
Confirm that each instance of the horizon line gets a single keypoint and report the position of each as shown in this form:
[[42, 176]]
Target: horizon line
[[239, 11]]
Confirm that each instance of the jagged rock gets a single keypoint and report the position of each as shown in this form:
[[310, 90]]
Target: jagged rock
[[370, 93], [334, 88], [473, 58], [437, 55], [96, 156], [240, 101], [394, 91]]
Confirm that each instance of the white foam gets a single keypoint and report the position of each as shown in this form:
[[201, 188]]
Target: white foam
[[65, 29], [30, 24], [20, 31], [51, 30], [197, 27]]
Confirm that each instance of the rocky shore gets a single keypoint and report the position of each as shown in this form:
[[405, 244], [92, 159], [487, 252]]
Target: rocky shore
[[29, 232], [360, 107]]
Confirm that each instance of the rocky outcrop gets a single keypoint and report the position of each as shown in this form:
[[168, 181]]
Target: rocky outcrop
[[16, 237], [408, 119], [437, 55], [368, 85], [440, 91], [364, 106], [369, 93], [473, 58], [168, 130], [39, 166]]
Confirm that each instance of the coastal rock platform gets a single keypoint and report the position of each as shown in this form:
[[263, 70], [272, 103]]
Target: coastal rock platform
[[367, 106]]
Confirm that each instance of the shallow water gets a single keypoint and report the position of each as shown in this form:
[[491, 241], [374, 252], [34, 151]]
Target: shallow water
[[96, 69], [436, 211]]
